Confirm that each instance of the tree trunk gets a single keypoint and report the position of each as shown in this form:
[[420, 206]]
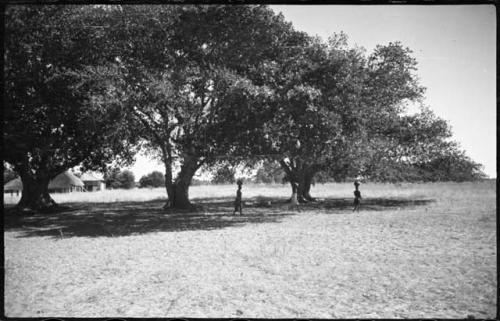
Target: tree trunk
[[301, 179], [181, 199], [178, 191], [291, 173], [169, 185], [294, 200], [35, 195], [300, 176], [303, 176], [305, 186]]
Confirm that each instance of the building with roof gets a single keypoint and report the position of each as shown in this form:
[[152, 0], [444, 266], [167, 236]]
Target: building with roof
[[92, 183], [13, 186], [65, 182]]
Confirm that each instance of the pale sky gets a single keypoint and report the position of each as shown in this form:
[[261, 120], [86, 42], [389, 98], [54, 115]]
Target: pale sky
[[455, 47]]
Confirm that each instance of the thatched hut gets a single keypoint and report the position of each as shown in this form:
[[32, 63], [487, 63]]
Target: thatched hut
[[66, 182], [13, 186]]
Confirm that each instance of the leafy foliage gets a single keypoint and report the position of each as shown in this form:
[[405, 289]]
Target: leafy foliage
[[224, 175], [60, 106], [214, 79], [198, 85], [341, 113], [126, 179], [333, 103], [453, 165], [115, 179], [111, 178], [8, 173], [270, 172], [153, 179]]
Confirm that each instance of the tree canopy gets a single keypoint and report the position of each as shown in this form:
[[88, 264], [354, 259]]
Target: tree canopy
[[196, 100], [60, 109], [116, 178], [333, 103], [201, 85]]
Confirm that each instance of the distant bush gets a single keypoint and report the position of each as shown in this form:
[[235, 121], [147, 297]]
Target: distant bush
[[198, 182], [114, 178], [126, 179], [110, 178], [153, 179]]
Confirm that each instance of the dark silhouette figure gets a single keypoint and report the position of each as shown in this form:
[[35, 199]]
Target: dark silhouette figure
[[237, 201], [357, 196]]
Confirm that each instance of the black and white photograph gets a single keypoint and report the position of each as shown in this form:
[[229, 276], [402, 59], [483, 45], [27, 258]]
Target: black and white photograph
[[300, 161]]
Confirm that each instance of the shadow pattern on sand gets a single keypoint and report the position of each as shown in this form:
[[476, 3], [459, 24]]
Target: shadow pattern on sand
[[129, 218]]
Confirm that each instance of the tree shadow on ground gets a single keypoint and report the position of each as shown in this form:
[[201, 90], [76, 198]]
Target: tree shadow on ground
[[129, 218], [368, 204]]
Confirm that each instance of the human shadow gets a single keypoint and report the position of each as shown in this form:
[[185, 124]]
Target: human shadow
[[132, 218], [368, 204]]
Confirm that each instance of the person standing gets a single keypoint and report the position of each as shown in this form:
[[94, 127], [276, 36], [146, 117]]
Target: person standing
[[237, 201], [357, 196]]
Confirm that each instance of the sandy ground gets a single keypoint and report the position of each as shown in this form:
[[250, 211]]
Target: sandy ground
[[433, 260]]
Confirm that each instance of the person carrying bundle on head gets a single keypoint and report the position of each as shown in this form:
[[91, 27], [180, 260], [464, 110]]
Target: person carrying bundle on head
[[357, 195]]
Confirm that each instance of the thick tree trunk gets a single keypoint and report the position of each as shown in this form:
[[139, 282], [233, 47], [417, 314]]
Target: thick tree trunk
[[35, 195], [181, 199], [297, 179], [301, 175], [289, 170], [178, 191], [305, 186], [294, 199], [169, 185]]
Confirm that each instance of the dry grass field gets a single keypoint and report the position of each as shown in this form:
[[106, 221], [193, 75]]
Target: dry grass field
[[412, 251]]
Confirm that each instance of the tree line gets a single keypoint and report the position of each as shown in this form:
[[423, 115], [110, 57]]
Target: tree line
[[203, 85]]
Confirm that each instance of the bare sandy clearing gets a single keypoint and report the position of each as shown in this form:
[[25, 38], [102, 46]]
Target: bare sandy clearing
[[432, 260]]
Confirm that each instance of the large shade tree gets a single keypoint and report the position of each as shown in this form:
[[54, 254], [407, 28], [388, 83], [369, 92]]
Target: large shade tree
[[199, 85], [341, 112], [323, 96], [199, 98], [59, 102]]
